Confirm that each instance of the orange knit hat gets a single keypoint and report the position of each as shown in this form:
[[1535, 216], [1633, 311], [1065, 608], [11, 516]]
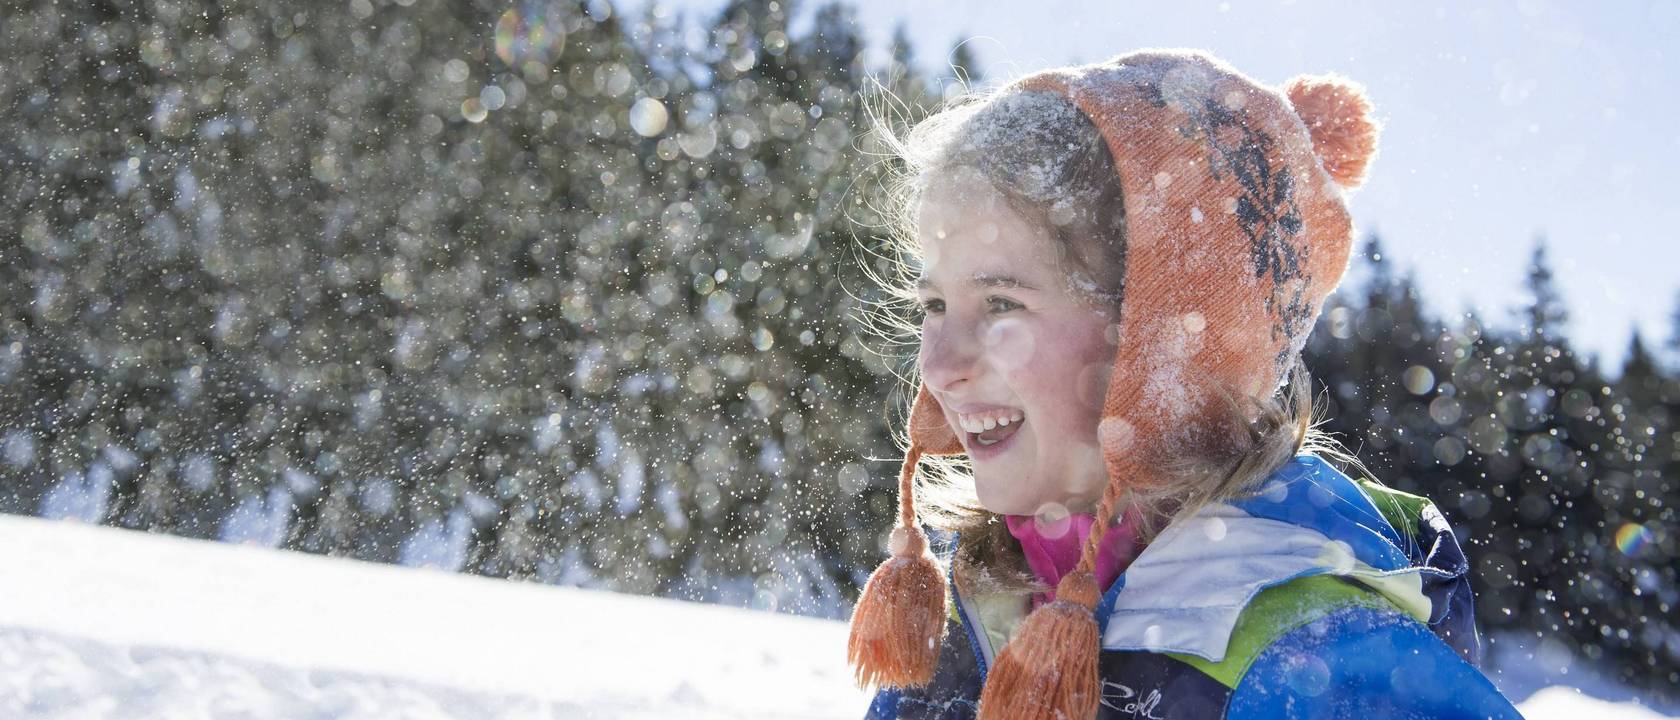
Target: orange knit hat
[[1236, 231]]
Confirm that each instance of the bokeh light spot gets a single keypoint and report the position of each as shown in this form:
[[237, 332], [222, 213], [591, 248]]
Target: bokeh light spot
[[533, 32]]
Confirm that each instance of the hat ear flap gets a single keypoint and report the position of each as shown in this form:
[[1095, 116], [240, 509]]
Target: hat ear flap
[[928, 428]]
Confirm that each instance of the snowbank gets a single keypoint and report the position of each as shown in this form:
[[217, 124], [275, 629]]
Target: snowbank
[[102, 618], [99, 622]]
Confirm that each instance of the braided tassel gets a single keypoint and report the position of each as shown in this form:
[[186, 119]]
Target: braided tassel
[[899, 622], [1048, 670]]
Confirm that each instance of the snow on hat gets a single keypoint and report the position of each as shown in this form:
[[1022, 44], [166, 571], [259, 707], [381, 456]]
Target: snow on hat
[[1236, 231]]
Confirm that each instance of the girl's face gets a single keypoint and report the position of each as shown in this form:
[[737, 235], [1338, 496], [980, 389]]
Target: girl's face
[[1005, 337]]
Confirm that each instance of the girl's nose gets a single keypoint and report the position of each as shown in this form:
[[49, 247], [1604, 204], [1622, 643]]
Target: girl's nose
[[950, 355]]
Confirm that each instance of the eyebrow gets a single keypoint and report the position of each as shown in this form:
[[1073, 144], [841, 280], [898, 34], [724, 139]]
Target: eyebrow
[[983, 279]]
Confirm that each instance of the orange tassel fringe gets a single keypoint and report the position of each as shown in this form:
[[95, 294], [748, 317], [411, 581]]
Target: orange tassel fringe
[[899, 622], [1048, 671]]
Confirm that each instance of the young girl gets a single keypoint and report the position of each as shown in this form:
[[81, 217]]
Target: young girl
[[1118, 265]]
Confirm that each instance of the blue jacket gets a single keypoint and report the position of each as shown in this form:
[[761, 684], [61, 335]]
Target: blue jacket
[[1301, 601]]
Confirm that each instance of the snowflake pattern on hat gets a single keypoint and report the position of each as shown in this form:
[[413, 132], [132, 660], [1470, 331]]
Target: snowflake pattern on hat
[[1267, 210]]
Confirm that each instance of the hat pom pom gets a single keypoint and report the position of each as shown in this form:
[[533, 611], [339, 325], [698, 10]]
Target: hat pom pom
[[1338, 116], [899, 622], [1049, 669]]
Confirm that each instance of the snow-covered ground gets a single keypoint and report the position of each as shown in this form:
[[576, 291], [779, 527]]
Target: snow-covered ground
[[1550, 682], [98, 622]]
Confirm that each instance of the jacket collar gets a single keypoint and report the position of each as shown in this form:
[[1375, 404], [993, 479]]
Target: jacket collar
[[1185, 591], [1183, 594]]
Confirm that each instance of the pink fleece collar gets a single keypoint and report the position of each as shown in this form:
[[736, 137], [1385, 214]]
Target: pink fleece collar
[[1052, 548]]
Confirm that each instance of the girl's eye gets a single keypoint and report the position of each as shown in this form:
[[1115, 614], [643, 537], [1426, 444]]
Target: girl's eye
[[1000, 304]]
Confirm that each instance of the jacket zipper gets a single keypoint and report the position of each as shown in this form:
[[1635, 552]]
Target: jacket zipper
[[969, 629]]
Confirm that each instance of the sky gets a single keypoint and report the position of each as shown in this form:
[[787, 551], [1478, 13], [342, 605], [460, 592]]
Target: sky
[[1503, 123]]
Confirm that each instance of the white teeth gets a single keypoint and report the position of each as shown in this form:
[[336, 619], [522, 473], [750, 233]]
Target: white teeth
[[979, 423]]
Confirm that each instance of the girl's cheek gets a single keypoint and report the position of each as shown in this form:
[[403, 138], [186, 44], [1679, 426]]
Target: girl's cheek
[[1091, 384], [1012, 343]]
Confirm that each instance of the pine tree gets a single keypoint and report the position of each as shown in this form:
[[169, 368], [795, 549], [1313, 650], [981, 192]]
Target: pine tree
[[833, 52], [1545, 316], [963, 66], [1640, 375], [1674, 335], [902, 77]]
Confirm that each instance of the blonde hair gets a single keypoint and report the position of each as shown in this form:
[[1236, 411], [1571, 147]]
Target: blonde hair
[[1080, 203]]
